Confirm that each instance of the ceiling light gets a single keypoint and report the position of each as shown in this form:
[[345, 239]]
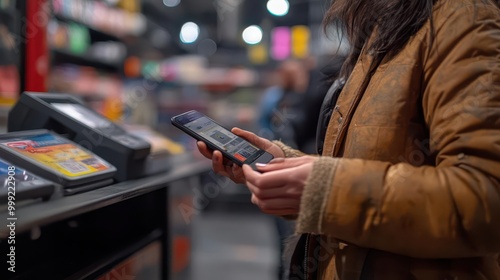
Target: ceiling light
[[252, 35], [189, 32], [171, 3], [278, 7]]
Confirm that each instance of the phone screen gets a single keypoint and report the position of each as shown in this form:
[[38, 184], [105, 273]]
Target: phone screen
[[220, 137]]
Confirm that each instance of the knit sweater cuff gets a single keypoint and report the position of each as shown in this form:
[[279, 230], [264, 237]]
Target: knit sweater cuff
[[315, 195], [289, 151]]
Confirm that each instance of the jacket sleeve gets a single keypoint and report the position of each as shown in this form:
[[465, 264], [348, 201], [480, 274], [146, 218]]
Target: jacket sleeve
[[452, 209]]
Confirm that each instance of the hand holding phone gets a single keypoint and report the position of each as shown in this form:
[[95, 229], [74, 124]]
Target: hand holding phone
[[216, 137]]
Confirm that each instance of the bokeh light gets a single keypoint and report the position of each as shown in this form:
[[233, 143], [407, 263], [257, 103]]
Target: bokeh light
[[252, 35], [171, 3], [189, 32], [278, 7]]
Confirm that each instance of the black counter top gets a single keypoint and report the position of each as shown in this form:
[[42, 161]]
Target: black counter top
[[42, 213]]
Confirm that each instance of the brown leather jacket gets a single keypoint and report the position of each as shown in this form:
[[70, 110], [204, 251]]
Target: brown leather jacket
[[409, 183]]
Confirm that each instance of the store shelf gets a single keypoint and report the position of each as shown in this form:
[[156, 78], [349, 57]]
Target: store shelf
[[95, 34], [63, 56]]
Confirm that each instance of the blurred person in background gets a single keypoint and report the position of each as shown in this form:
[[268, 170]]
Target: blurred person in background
[[280, 106], [408, 184]]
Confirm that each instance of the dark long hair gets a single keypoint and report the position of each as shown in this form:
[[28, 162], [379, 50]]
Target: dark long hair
[[395, 20]]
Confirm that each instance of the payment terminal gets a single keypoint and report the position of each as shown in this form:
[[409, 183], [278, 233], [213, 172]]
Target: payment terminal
[[68, 116], [22, 185], [57, 159]]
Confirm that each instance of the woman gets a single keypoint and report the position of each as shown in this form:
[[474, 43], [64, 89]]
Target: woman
[[408, 184]]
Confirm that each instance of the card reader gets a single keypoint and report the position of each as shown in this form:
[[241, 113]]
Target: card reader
[[20, 184], [57, 159], [67, 115]]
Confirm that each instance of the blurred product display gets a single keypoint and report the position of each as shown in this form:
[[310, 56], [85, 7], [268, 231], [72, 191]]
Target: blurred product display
[[102, 17], [101, 89], [159, 144], [88, 53]]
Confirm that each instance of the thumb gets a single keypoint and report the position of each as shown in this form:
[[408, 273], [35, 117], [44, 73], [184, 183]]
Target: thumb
[[250, 137]]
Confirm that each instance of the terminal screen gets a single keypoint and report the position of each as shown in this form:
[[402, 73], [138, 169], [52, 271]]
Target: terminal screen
[[83, 115]]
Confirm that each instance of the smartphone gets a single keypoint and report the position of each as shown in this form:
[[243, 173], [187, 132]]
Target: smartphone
[[233, 147]]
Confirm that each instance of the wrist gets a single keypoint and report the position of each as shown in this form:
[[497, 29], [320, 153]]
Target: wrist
[[288, 151]]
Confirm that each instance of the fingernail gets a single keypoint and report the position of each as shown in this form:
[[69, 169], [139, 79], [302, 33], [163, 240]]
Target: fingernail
[[261, 164]]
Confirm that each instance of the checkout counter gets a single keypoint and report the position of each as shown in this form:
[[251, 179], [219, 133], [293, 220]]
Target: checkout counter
[[85, 199]]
